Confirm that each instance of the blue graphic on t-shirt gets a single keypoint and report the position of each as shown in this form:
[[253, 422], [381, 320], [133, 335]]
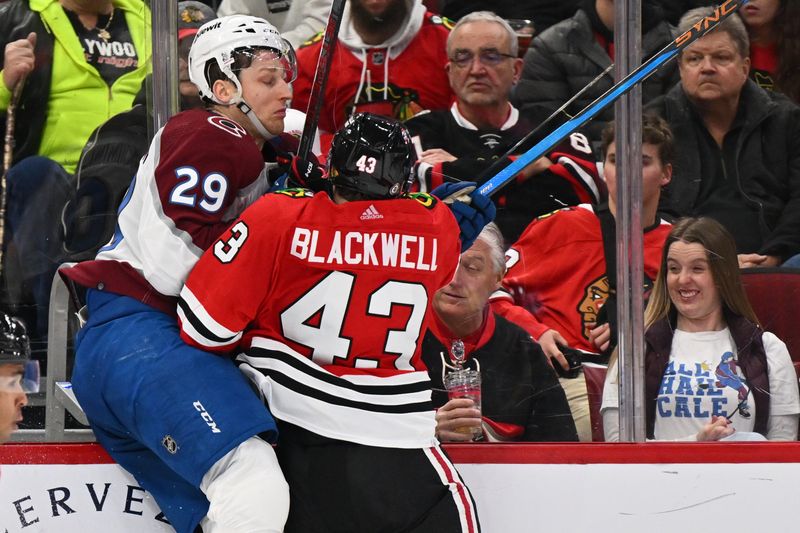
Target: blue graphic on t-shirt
[[727, 376], [686, 389]]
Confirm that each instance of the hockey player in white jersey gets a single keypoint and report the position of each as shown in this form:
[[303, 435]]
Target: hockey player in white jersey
[[186, 423]]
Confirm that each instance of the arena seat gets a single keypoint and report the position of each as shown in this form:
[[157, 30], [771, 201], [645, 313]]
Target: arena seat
[[774, 294], [595, 378]]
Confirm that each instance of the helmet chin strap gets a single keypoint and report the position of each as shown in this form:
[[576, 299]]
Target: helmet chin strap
[[254, 120], [244, 107]]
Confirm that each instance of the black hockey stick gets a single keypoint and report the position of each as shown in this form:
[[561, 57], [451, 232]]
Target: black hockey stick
[[498, 165], [502, 178], [329, 40]]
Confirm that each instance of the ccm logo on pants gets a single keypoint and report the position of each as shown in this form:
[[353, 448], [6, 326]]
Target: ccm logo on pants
[[207, 417]]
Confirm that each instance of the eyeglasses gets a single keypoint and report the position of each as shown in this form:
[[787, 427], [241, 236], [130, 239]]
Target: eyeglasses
[[489, 58]]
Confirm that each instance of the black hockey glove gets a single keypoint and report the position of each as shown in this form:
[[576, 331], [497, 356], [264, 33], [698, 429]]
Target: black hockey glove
[[298, 172]]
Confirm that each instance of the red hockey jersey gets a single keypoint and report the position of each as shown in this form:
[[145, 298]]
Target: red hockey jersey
[[397, 79], [334, 300], [557, 271]]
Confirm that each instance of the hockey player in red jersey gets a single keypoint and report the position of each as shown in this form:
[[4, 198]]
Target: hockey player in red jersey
[[184, 422], [328, 299], [558, 267]]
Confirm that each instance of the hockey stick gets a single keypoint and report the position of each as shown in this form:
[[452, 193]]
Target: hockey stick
[[498, 165], [329, 41], [8, 158], [501, 179]]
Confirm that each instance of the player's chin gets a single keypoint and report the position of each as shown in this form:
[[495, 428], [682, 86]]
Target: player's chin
[[275, 124]]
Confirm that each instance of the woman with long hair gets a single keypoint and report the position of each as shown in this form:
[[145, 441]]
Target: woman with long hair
[[711, 371], [774, 30]]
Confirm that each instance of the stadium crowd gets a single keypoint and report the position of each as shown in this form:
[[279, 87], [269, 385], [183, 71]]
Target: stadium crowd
[[445, 102]]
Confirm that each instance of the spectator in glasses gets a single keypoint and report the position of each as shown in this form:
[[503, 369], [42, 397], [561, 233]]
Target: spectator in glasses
[[711, 372], [482, 125]]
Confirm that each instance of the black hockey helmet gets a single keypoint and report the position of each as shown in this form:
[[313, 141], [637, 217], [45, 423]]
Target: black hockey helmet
[[372, 156], [15, 349]]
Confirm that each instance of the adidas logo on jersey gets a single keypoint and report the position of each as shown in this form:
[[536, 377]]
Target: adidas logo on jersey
[[371, 213]]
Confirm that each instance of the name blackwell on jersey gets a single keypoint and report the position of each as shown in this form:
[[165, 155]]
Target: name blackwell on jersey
[[398, 250]]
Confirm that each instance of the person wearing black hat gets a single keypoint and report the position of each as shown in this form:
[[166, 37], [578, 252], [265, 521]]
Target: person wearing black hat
[[191, 15], [18, 374]]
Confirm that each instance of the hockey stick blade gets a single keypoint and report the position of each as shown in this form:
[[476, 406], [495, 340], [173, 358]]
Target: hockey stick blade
[[329, 40], [502, 178]]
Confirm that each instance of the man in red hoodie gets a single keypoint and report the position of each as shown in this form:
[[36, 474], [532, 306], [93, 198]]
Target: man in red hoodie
[[389, 60]]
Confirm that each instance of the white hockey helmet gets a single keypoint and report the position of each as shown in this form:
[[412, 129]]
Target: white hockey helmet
[[218, 40]]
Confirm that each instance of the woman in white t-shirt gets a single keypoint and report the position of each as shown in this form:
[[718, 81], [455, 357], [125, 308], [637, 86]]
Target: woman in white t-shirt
[[711, 372]]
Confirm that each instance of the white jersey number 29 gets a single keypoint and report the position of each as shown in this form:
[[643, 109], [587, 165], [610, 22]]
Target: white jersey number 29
[[330, 299], [211, 191]]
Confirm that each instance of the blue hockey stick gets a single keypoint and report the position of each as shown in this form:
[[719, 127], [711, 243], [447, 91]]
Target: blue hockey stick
[[502, 178]]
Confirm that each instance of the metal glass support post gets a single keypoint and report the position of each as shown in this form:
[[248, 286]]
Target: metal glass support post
[[630, 265], [164, 92]]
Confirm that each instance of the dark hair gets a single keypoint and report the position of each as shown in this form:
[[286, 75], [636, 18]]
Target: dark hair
[[722, 260], [787, 77], [655, 131]]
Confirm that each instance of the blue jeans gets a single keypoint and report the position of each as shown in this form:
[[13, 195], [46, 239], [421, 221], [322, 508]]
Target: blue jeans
[[792, 262], [38, 190]]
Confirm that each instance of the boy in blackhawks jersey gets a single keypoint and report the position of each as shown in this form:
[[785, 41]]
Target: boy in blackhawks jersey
[[328, 299], [185, 423], [559, 268]]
